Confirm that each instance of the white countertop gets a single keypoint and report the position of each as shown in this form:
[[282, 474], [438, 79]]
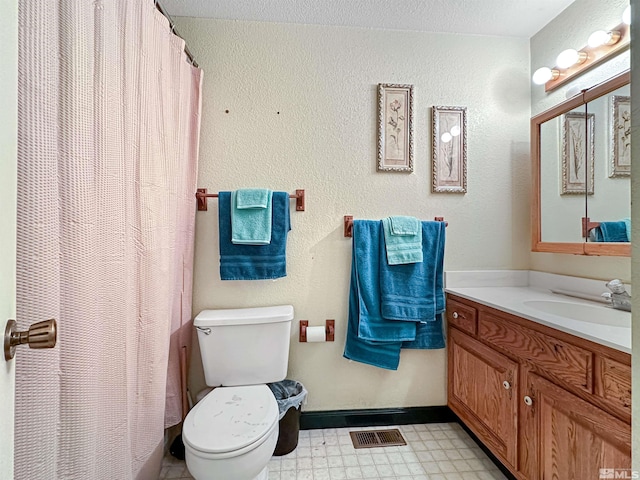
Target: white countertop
[[517, 300]]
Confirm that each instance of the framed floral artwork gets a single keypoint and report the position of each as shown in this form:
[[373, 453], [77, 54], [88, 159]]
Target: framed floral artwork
[[395, 127], [449, 149], [578, 151], [620, 136]]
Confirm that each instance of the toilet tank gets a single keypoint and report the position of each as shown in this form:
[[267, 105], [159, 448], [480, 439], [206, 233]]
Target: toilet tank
[[244, 346]]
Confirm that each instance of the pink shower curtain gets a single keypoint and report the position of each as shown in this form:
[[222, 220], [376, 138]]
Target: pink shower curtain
[[109, 118]]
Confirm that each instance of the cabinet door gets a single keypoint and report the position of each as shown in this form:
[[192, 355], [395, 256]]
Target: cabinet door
[[483, 393], [576, 439]]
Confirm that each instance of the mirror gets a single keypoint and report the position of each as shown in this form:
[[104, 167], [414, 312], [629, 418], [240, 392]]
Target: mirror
[[581, 173]]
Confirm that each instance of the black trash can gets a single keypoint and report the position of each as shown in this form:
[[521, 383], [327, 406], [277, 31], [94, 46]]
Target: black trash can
[[289, 395]]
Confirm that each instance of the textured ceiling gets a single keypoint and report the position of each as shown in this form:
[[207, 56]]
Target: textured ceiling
[[516, 18]]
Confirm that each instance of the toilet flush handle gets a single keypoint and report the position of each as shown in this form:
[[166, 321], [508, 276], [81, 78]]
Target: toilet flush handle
[[206, 331]]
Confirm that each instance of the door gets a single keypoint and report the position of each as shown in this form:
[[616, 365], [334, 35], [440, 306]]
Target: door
[[483, 393], [576, 439], [8, 154]]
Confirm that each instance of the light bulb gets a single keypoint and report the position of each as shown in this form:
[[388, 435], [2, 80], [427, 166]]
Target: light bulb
[[570, 57], [626, 15], [446, 137], [455, 131], [599, 37], [544, 74]]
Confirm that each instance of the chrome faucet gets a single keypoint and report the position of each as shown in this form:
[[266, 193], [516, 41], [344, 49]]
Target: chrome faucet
[[618, 296]]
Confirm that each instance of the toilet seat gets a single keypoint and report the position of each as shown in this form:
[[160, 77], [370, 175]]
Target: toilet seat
[[231, 420]]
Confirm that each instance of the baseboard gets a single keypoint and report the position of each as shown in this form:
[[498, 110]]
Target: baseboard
[[375, 417], [391, 416]]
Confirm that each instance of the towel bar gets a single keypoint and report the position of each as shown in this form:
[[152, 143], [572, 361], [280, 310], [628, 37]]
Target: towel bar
[[202, 196], [587, 226], [348, 224]]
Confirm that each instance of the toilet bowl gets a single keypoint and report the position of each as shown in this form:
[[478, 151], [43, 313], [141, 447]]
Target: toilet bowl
[[231, 434]]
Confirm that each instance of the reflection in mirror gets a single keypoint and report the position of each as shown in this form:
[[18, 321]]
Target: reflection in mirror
[[581, 162], [562, 176], [610, 204]]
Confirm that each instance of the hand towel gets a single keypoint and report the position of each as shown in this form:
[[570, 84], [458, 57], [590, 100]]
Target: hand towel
[[251, 217], [254, 262], [610, 232], [253, 198], [402, 225], [405, 247]]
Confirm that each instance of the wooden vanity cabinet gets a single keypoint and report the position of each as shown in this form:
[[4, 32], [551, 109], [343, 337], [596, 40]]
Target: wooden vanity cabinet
[[548, 405]]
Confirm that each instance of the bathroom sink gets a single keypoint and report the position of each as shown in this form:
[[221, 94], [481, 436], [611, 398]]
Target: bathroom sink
[[583, 312]]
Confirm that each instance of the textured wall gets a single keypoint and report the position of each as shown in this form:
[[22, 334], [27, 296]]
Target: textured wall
[[301, 104], [572, 29]]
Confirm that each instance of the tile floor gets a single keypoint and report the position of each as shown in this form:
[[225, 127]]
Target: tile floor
[[438, 451]]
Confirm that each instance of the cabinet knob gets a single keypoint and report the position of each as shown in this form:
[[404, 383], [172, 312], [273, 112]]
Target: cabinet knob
[[528, 401], [455, 315], [506, 385]]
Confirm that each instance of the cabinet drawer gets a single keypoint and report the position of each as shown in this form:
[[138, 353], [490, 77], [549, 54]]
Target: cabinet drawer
[[462, 316], [615, 384], [571, 364]]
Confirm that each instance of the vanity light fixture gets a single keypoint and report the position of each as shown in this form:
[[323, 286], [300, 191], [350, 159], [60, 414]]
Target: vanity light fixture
[[602, 45]]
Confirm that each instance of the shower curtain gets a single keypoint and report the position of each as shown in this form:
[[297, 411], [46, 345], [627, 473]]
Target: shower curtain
[[109, 119]]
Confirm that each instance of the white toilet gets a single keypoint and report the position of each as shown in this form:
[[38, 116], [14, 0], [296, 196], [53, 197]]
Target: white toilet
[[232, 432]]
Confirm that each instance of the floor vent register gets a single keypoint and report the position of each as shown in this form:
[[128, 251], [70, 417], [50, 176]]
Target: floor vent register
[[377, 438]]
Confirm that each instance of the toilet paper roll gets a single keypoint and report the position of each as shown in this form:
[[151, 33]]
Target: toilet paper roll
[[316, 334]]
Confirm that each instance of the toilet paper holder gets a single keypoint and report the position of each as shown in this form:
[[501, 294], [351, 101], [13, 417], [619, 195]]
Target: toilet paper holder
[[329, 330]]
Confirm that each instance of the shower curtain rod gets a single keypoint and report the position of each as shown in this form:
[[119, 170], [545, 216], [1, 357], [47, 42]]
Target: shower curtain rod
[[175, 32]]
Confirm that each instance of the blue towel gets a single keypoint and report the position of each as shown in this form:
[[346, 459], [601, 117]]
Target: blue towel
[[409, 292], [378, 354], [402, 248], [611, 232], [367, 251], [365, 301], [251, 217], [430, 334], [254, 262]]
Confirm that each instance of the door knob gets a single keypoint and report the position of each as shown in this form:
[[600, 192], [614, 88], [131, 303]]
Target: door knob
[[40, 335]]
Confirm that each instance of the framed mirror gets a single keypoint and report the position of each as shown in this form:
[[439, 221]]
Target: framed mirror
[[580, 151]]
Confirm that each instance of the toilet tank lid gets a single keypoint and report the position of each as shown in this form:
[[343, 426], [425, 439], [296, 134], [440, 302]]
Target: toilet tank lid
[[244, 316]]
